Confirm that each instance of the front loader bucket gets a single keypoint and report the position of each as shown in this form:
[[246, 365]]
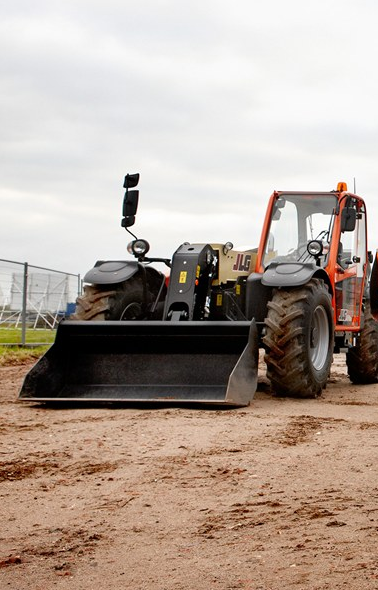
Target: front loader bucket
[[149, 361]]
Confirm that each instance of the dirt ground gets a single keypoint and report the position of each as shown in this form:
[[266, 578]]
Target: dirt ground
[[280, 495]]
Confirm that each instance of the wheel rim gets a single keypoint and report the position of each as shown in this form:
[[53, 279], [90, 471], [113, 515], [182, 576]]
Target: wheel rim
[[131, 312], [319, 338]]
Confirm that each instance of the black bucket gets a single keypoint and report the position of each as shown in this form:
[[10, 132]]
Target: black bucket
[[154, 361]]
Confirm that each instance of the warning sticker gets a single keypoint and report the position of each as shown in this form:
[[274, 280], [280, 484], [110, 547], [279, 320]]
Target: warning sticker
[[183, 275]]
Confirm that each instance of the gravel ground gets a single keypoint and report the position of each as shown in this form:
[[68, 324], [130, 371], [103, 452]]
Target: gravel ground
[[280, 495]]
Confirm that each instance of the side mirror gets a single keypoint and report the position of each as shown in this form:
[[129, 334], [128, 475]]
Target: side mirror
[[130, 203], [131, 181], [279, 204], [130, 200], [348, 219], [128, 221]]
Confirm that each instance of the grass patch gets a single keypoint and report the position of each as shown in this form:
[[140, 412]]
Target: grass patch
[[14, 336], [16, 355]]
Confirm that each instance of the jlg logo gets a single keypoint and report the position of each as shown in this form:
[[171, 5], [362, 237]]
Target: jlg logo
[[243, 262]]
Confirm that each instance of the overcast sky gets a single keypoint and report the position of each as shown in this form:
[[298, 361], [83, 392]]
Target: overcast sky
[[215, 103]]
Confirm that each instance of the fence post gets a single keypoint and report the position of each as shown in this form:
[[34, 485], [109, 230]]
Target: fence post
[[24, 304]]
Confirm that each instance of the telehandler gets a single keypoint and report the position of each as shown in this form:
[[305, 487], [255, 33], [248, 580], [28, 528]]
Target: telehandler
[[138, 335]]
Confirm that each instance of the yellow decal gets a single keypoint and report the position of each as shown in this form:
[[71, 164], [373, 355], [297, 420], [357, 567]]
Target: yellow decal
[[219, 299], [198, 271], [237, 289], [183, 275]]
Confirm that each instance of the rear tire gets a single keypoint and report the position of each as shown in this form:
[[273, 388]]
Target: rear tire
[[299, 339], [362, 360]]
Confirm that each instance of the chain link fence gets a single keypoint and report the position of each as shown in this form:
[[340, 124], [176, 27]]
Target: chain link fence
[[33, 300]]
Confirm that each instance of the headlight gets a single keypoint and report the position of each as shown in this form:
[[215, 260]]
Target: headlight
[[138, 248], [227, 247], [315, 248]]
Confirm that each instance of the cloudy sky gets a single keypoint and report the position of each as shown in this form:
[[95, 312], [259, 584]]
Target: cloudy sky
[[215, 103]]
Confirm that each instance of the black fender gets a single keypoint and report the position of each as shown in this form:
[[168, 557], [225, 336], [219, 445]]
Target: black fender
[[111, 272], [292, 274]]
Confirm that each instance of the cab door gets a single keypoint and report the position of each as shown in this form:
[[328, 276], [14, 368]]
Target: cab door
[[351, 264]]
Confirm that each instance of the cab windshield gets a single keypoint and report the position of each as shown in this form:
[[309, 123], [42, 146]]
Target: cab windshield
[[296, 220]]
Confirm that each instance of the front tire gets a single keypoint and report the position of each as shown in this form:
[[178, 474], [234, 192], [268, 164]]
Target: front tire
[[122, 301], [299, 339]]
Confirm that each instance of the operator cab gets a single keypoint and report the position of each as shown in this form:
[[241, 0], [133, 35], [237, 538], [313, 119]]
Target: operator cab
[[301, 228]]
